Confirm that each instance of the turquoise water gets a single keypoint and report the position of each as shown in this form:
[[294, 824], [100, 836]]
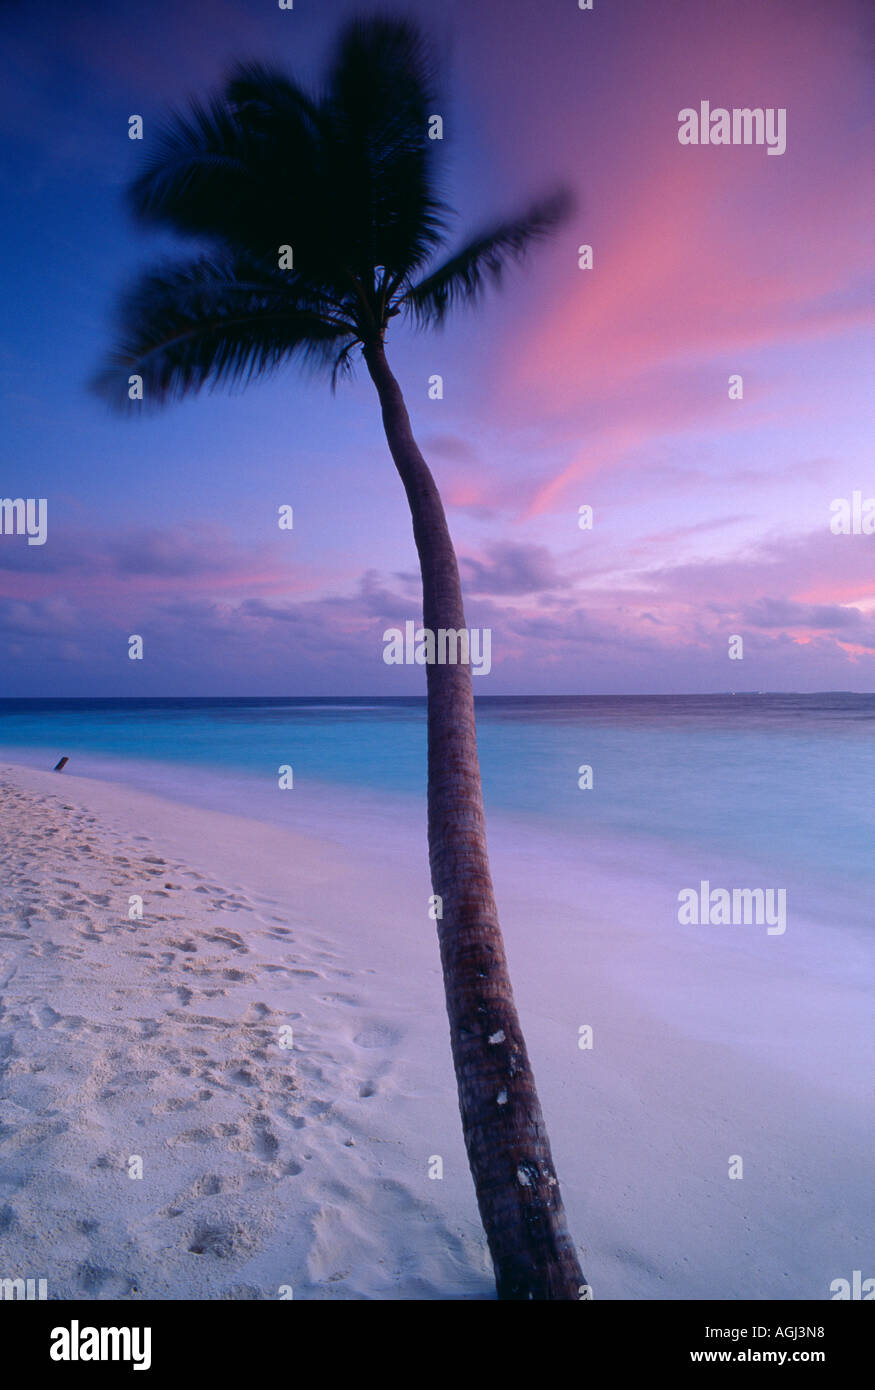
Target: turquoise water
[[781, 781]]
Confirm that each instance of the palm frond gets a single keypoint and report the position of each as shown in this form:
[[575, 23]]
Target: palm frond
[[343, 365], [379, 98], [217, 320], [464, 276], [197, 162], [242, 170], [256, 90]]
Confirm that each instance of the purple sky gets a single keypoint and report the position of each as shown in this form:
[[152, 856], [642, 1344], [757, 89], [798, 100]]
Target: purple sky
[[607, 387]]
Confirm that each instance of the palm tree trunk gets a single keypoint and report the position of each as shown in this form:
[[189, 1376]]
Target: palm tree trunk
[[520, 1205]]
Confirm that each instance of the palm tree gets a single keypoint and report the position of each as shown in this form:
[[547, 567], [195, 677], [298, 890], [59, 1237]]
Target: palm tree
[[346, 183]]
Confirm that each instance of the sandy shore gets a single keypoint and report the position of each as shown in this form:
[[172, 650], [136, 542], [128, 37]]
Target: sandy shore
[[307, 1166], [161, 1038]]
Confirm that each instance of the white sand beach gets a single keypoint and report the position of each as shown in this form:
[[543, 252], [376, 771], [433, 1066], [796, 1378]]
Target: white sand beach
[[267, 1166]]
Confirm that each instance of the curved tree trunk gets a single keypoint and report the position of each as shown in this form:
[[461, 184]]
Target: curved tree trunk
[[520, 1205]]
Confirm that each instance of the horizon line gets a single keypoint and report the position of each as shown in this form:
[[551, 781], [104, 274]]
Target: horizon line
[[531, 695]]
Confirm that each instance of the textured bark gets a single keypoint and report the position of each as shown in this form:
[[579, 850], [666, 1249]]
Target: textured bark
[[517, 1191]]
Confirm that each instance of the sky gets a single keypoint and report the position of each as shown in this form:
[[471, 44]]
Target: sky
[[606, 387]]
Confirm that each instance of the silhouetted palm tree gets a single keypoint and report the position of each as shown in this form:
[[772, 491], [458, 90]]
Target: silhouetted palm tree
[[348, 182]]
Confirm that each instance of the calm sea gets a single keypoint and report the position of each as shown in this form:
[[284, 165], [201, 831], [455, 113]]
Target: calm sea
[[783, 783]]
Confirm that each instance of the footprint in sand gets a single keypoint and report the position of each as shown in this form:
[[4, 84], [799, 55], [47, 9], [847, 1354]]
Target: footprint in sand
[[258, 1011], [265, 1143], [379, 1035], [243, 1077], [31, 1136], [221, 1239], [231, 939], [211, 1184]]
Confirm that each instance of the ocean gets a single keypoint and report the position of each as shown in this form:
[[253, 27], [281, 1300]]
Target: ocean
[[775, 787]]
